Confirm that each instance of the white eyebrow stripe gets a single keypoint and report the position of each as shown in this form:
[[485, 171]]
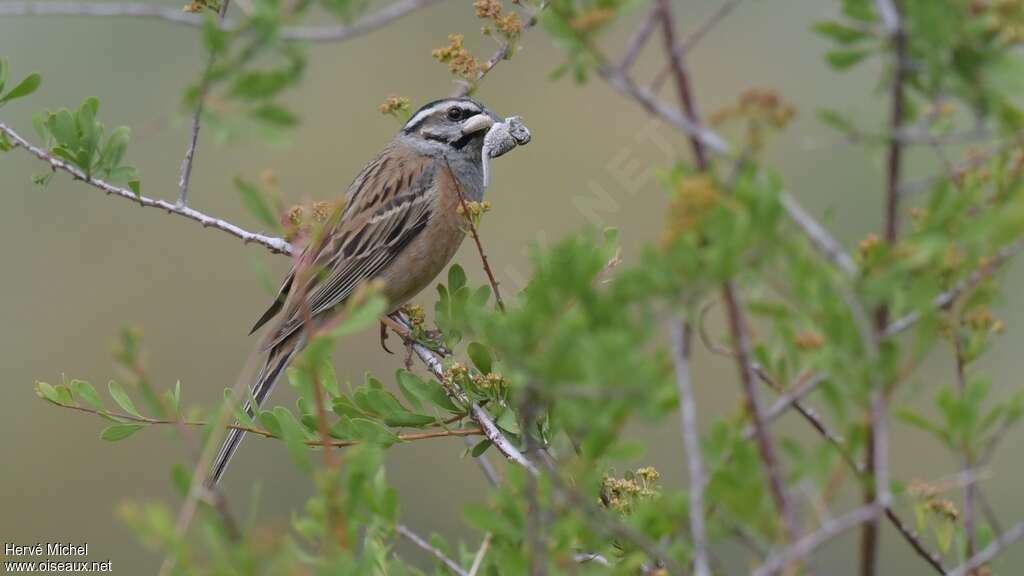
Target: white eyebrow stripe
[[444, 104], [422, 115]]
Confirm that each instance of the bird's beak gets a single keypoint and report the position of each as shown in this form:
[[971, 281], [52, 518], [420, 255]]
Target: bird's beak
[[477, 123]]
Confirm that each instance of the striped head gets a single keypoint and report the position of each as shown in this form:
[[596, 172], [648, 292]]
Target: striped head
[[450, 126]]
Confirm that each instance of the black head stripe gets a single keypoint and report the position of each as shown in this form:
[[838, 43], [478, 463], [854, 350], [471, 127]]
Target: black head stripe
[[427, 110]]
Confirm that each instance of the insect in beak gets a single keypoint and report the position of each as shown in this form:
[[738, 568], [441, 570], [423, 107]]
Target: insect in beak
[[477, 123]]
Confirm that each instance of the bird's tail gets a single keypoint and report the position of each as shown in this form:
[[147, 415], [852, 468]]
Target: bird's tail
[[278, 359]]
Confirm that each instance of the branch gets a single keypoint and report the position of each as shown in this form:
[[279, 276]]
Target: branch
[[204, 88], [655, 106], [275, 245], [504, 52], [766, 447], [489, 428], [639, 39], [818, 236], [338, 33], [480, 247], [826, 532], [946, 299], [787, 400], [682, 79], [478, 560], [679, 50], [411, 437], [991, 551], [691, 442], [430, 549], [968, 455], [815, 420], [892, 22]]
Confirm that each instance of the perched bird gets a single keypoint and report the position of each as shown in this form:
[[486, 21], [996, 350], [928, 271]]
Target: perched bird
[[399, 226]]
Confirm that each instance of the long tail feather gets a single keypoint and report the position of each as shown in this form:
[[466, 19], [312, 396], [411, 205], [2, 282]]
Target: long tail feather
[[278, 359]]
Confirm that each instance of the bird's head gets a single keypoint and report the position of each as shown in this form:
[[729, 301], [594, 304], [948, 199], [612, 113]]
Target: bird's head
[[450, 125]]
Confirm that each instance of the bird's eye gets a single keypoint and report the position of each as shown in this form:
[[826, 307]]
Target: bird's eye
[[454, 113]]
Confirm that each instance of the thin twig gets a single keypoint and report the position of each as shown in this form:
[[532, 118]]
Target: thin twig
[[679, 50], [990, 552], [990, 514], [477, 413], [766, 446], [639, 39], [430, 549], [790, 398], [691, 443], [655, 106], [682, 80], [200, 471], [339, 33], [504, 52], [968, 456], [204, 87], [410, 437], [608, 524], [812, 541], [468, 217], [485, 464], [536, 526], [893, 24], [478, 560], [818, 236], [276, 245], [946, 299]]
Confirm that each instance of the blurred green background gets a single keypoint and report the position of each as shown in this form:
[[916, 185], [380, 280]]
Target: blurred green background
[[79, 266]]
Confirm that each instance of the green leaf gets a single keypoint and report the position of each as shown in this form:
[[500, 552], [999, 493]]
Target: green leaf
[[274, 115], [47, 392], [240, 414], [39, 124], [5, 144], [181, 479], [362, 317], [259, 85], [26, 87], [840, 33], [121, 397], [480, 448], [114, 150], [87, 392], [61, 125], [215, 39], [407, 419], [844, 59], [294, 438], [373, 432], [456, 278], [64, 395], [119, 431], [480, 356], [344, 406], [42, 180], [4, 70], [418, 391], [269, 423], [944, 532], [837, 121], [136, 187], [486, 519], [256, 203]]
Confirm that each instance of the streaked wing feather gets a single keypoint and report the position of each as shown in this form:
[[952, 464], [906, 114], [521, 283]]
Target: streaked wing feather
[[371, 244]]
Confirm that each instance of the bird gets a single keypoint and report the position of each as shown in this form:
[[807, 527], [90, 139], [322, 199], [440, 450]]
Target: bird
[[399, 226]]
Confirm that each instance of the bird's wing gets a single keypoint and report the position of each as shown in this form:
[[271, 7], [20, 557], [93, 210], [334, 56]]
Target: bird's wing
[[380, 220]]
